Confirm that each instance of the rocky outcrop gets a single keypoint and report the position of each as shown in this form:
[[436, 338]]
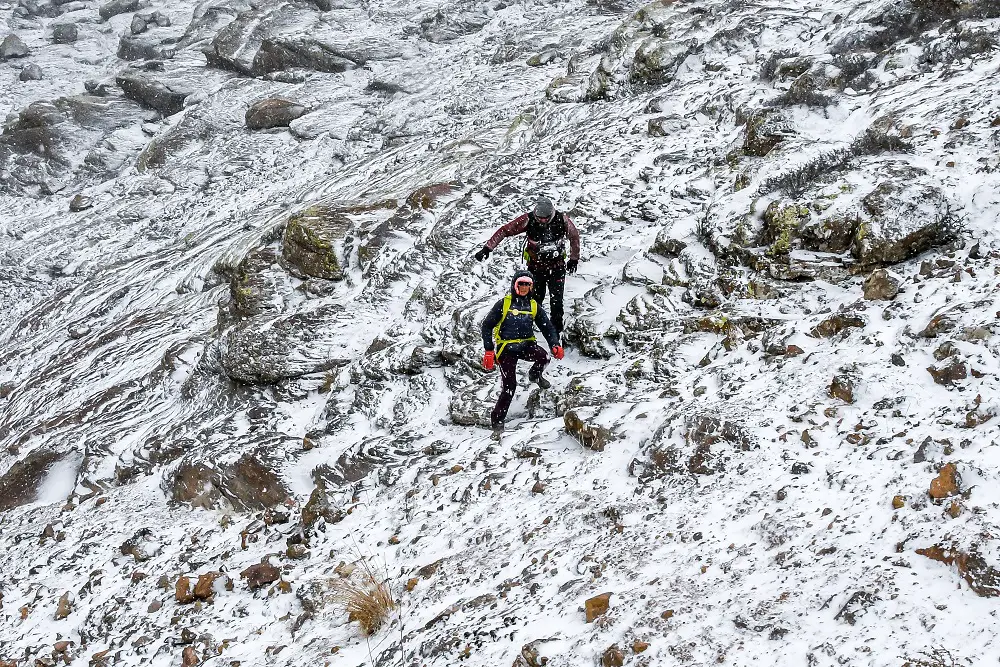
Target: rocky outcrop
[[249, 483], [982, 578], [167, 98], [902, 221], [20, 484], [313, 241], [116, 7]]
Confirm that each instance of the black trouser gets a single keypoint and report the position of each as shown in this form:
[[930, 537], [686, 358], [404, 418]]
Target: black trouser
[[551, 276], [527, 351]]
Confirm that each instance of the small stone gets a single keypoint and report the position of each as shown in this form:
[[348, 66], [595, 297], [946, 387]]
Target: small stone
[[138, 576], [898, 502], [897, 359], [668, 614], [274, 112], [882, 285], [297, 551], [163, 582], [65, 33], [457, 469], [946, 483], [205, 588], [955, 509], [30, 72], [411, 583], [800, 468], [843, 388], [394, 539], [80, 203], [154, 607], [260, 575], [948, 372], [597, 606], [138, 25], [639, 646], [539, 487], [793, 351]]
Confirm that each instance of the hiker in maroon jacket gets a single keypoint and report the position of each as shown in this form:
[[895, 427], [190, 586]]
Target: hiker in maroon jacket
[[546, 231]]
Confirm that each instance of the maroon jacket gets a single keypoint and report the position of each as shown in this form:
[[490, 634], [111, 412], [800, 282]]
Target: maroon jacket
[[558, 229]]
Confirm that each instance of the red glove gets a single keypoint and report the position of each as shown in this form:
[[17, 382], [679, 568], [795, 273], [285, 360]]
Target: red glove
[[557, 352], [488, 359]]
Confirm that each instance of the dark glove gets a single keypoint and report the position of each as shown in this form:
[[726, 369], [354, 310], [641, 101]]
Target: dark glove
[[482, 254], [488, 359], [571, 265], [558, 352]]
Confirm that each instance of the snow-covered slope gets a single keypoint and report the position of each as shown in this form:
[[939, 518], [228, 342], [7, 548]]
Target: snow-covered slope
[[772, 439]]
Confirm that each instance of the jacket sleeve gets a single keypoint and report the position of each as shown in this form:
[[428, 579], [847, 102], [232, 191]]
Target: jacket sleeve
[[574, 238], [489, 323], [516, 226], [543, 322]]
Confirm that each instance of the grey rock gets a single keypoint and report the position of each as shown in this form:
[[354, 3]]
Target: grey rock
[[30, 72], [65, 33], [138, 25], [313, 242], [80, 203], [273, 112], [902, 222], [12, 47], [145, 90], [116, 7], [447, 24], [881, 285], [144, 47]]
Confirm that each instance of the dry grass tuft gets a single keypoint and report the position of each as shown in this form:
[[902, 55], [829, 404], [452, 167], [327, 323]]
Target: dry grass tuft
[[368, 601]]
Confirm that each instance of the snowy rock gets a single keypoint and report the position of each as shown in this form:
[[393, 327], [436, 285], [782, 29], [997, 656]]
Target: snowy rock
[[590, 436], [13, 47], [64, 607], [613, 657], [138, 25], [765, 129], [313, 240], [949, 372], [983, 579], [249, 483], [260, 575], [30, 72], [856, 607], [80, 203], [882, 285], [273, 112], [947, 483], [116, 7], [902, 222], [842, 387], [22, 481], [837, 323], [148, 91], [452, 22], [65, 33]]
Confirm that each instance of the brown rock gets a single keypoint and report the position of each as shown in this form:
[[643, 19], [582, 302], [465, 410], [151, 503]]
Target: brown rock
[[836, 323], [428, 571], [793, 351], [955, 509], [948, 372], [898, 502], [319, 507], [260, 575], [668, 614], [639, 646], [411, 583], [61, 646], [64, 608], [843, 388], [597, 606], [881, 285], [539, 487], [274, 112], [613, 657], [590, 436], [394, 539], [189, 657], [182, 590], [947, 482], [983, 579], [296, 551], [205, 588], [154, 607]]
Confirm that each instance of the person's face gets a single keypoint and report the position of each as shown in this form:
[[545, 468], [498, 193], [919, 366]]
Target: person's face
[[542, 220], [523, 286]]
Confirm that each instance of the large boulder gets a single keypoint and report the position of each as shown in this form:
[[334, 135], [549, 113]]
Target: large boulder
[[12, 47], [116, 7], [902, 221], [65, 33], [247, 484], [273, 112], [30, 72], [167, 98]]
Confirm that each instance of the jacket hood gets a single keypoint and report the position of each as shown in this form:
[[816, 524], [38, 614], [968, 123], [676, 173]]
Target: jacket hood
[[519, 274]]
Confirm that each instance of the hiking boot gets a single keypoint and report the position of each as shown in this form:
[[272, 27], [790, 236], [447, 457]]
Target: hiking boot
[[539, 380], [497, 432]]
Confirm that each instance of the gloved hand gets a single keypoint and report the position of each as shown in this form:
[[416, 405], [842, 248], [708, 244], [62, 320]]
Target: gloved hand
[[571, 265], [489, 358], [482, 254], [558, 352]]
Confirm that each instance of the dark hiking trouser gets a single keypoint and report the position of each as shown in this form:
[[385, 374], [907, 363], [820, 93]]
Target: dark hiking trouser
[[508, 373], [553, 278]]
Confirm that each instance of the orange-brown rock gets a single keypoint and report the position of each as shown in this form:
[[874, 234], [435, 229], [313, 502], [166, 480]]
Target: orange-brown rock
[[983, 578], [667, 614], [955, 509], [189, 657], [411, 583], [61, 646], [898, 502], [205, 588], [597, 606], [64, 608], [182, 590], [946, 483], [639, 646]]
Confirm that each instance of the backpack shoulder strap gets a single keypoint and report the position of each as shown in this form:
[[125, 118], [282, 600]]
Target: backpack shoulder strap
[[534, 309]]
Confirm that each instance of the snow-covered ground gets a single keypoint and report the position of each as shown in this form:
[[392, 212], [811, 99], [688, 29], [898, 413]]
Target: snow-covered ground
[[792, 473]]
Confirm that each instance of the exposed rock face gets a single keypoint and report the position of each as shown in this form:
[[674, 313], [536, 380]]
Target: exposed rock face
[[949, 372], [20, 484], [250, 483], [312, 242], [13, 47], [597, 606], [983, 578], [764, 130], [590, 436], [274, 112]]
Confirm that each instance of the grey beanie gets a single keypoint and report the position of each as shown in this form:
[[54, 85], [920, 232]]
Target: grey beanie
[[544, 208]]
